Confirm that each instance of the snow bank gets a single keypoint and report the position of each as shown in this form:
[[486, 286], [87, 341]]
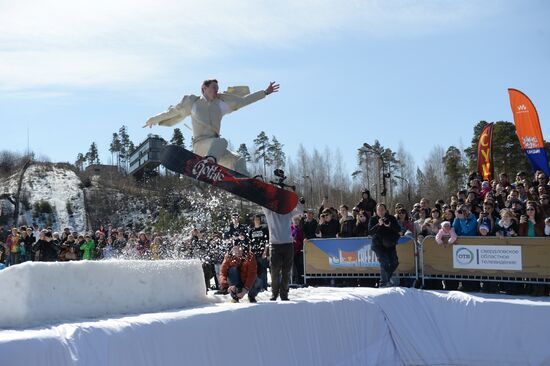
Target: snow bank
[[319, 326], [35, 293]]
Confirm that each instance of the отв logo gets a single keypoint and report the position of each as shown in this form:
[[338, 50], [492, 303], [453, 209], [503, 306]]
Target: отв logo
[[464, 256]]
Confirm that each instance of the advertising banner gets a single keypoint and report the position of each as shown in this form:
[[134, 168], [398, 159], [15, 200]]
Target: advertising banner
[[528, 130], [484, 156], [501, 257], [352, 255]]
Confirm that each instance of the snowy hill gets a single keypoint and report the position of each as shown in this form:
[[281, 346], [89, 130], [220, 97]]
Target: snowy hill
[[45, 187], [54, 195]]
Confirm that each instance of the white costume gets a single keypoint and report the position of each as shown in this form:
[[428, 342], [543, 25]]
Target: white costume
[[206, 119]]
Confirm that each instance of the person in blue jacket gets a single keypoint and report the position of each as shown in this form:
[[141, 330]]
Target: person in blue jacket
[[465, 223]]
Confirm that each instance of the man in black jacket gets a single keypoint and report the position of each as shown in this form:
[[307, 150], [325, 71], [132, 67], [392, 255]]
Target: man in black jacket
[[384, 230], [366, 204], [329, 226], [309, 225], [46, 249]]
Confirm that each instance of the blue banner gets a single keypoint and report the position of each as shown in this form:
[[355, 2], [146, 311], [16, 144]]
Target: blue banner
[[351, 252], [538, 160]]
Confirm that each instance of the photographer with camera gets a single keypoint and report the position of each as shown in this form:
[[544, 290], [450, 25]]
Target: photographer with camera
[[328, 226], [238, 274], [384, 230], [465, 223]]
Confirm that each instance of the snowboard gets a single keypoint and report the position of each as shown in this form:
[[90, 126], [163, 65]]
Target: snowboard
[[206, 169]]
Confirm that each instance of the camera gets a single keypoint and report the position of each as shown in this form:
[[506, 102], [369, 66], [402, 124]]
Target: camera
[[279, 173], [385, 220]]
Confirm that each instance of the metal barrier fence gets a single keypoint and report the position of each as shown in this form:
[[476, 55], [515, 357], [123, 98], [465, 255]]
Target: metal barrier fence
[[353, 258], [519, 259]]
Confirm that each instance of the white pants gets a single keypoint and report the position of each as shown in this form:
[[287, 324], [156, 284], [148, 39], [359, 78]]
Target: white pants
[[217, 147]]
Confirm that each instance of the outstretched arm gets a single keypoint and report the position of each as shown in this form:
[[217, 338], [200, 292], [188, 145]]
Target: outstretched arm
[[237, 102], [174, 114]]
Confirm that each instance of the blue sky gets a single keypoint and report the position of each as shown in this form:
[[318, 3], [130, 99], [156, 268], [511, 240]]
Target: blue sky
[[421, 73]]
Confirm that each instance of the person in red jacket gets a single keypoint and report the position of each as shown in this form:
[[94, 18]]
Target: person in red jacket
[[238, 274]]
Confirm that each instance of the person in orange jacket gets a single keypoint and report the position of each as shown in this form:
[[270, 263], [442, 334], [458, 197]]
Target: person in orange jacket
[[238, 274]]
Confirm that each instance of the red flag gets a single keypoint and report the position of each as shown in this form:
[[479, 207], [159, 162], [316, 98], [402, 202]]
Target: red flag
[[484, 156]]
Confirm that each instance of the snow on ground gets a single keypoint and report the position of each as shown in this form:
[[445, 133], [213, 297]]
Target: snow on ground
[[319, 326], [59, 291], [58, 186]]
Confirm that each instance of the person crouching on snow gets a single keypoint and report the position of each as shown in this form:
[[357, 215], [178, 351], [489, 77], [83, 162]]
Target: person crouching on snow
[[446, 231], [238, 274]]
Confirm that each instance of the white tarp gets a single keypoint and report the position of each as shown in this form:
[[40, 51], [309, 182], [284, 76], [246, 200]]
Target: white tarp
[[38, 292], [320, 326]]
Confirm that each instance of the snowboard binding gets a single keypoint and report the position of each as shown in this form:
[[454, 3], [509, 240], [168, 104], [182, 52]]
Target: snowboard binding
[[280, 174]]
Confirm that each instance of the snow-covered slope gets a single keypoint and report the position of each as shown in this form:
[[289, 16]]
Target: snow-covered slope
[[319, 326], [56, 185]]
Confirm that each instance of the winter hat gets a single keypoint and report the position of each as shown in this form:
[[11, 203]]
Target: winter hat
[[484, 227], [485, 184], [445, 224]]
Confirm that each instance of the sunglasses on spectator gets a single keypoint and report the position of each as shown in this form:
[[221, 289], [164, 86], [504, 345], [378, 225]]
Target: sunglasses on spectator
[[530, 209]]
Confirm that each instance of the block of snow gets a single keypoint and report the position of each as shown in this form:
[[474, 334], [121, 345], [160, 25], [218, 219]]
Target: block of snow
[[37, 293]]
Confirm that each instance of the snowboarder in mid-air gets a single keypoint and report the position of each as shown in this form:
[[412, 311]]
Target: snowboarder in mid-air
[[206, 114]]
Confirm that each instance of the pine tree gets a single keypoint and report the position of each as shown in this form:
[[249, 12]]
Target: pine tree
[[80, 160], [262, 146], [131, 149], [386, 164], [127, 146], [455, 169], [92, 156], [243, 151], [177, 138], [275, 153], [115, 147]]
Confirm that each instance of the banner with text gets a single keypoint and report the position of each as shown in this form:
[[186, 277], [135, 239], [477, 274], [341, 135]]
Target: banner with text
[[528, 130], [499, 257], [484, 155]]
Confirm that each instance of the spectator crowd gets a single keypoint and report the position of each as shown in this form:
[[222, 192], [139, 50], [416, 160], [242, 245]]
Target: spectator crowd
[[502, 208]]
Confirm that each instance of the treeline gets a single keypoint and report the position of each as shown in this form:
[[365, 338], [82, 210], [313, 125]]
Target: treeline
[[392, 175]]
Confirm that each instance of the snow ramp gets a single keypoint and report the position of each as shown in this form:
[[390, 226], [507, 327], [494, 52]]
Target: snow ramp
[[319, 326]]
